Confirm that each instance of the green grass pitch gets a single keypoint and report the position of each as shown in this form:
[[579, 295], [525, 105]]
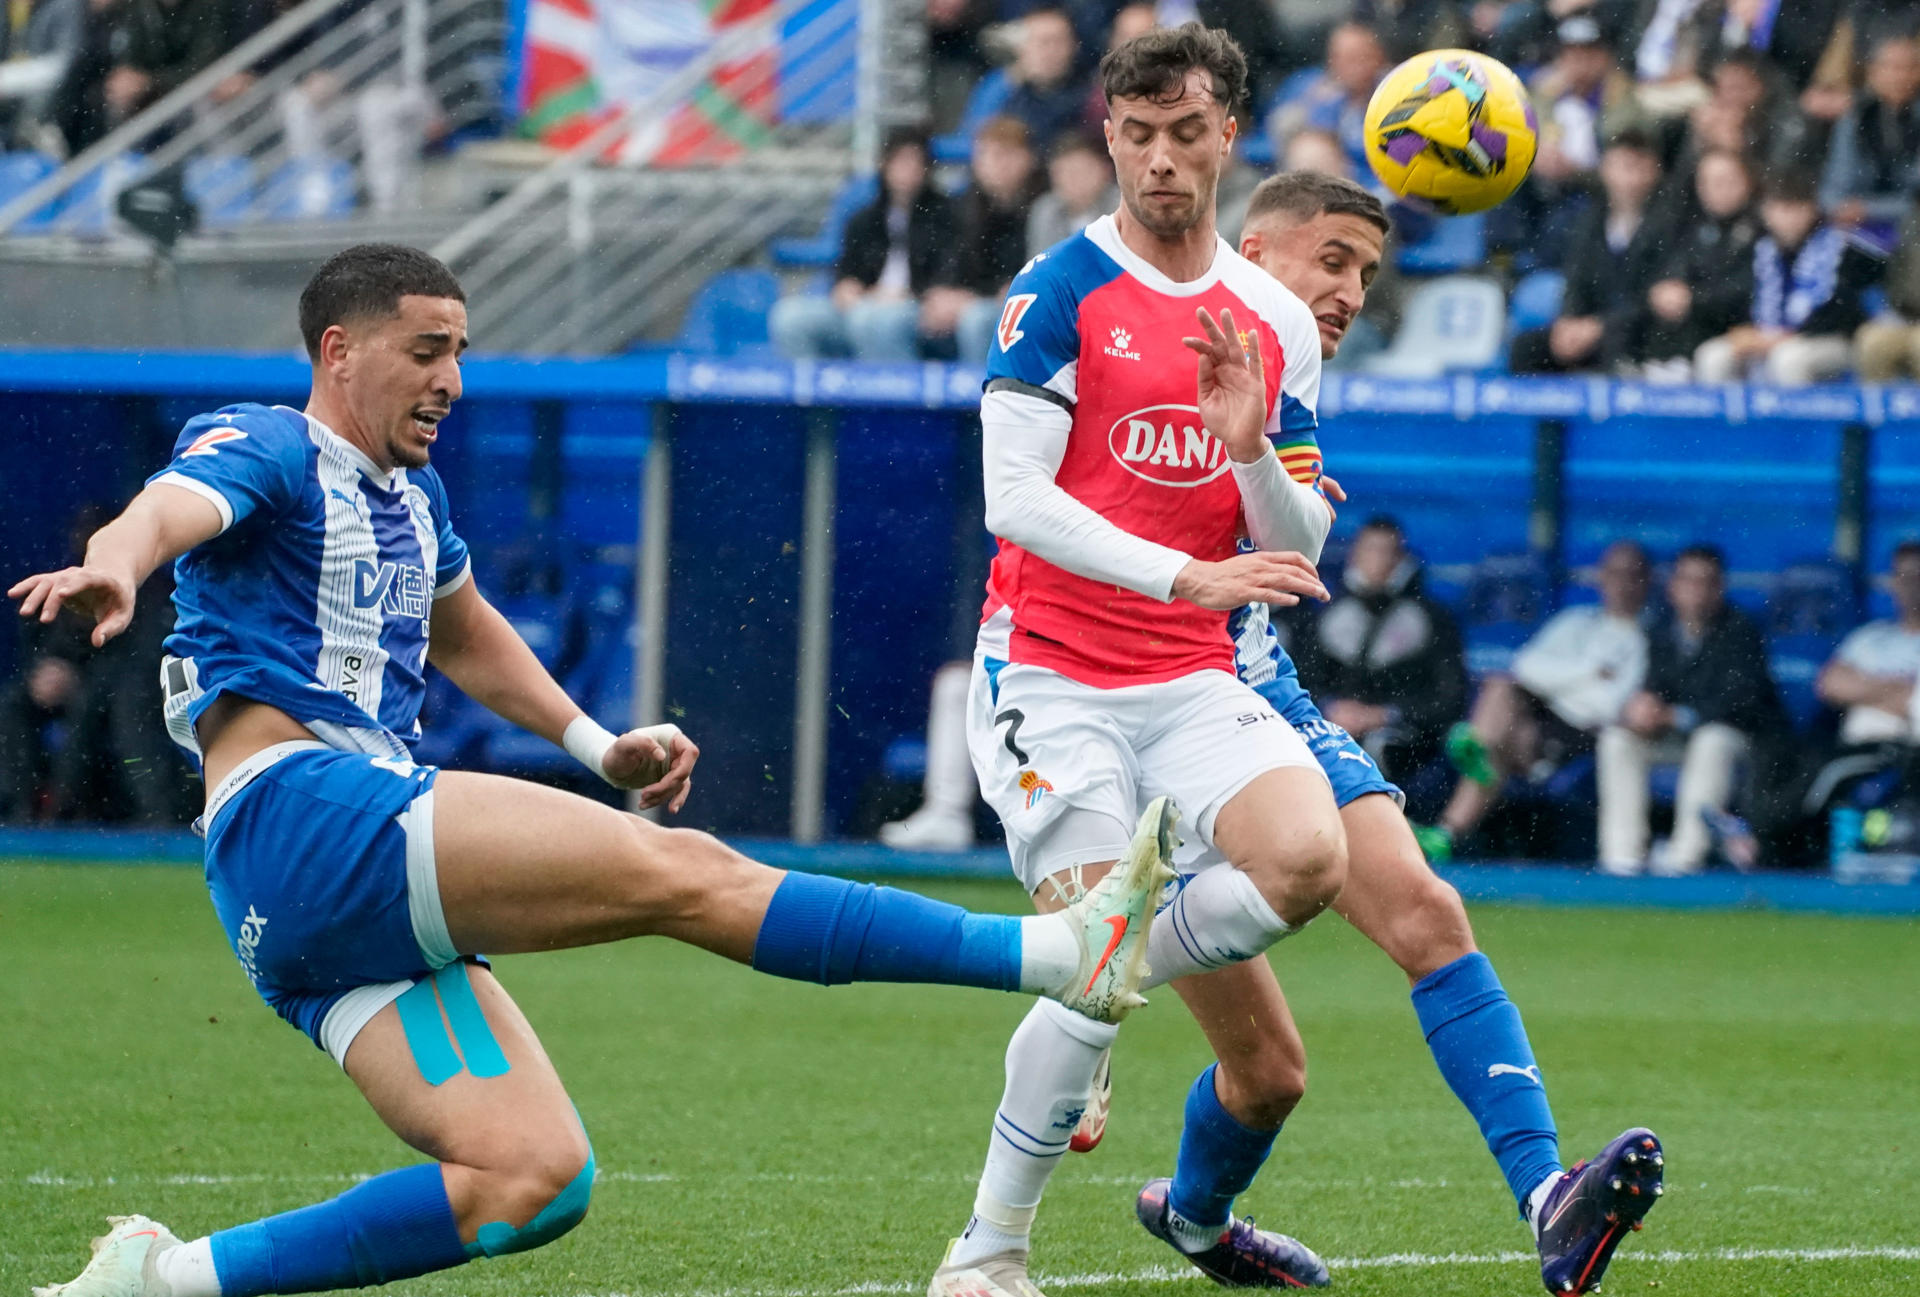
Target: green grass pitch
[[760, 1138]]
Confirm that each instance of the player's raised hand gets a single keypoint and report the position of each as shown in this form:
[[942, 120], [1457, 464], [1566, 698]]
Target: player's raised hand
[[657, 760], [1233, 385], [1264, 577], [105, 596]]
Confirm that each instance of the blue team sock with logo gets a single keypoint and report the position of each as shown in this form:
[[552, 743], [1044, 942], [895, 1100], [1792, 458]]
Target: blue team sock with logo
[[828, 930], [1218, 1157], [1481, 1046], [394, 1226]]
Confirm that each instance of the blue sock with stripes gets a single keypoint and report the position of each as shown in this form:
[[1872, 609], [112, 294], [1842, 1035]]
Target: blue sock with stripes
[[1218, 1157], [1481, 1047], [394, 1226], [830, 931]]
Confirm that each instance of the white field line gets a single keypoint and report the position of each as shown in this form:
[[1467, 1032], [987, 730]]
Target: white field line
[[55, 1180]]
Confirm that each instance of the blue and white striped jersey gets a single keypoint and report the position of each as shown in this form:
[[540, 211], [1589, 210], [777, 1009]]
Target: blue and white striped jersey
[[1260, 661], [316, 595]]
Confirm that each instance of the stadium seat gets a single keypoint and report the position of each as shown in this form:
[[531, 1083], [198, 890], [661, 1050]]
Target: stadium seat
[[221, 186], [1535, 302], [309, 190], [1456, 244], [823, 248], [1506, 599], [1809, 608], [1450, 324], [20, 172], [729, 314], [88, 208]]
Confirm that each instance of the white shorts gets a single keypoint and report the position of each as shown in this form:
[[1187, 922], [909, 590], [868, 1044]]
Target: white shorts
[[1068, 767]]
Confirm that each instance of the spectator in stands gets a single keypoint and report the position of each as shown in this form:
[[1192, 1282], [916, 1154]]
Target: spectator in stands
[[955, 60], [1567, 682], [158, 46], [1406, 27], [1080, 190], [1889, 347], [1873, 156], [1680, 40], [1809, 280], [889, 254], [1745, 111], [1336, 99], [1385, 658], [1709, 701], [1871, 677], [1618, 252], [38, 40], [1042, 89], [989, 245], [1707, 282], [1583, 96]]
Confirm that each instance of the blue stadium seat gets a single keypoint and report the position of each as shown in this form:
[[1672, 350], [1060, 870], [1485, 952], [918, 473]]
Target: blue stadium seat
[[20, 172], [1535, 302], [221, 186], [309, 190], [1506, 599], [88, 207], [1451, 324], [729, 313], [1455, 244], [823, 248]]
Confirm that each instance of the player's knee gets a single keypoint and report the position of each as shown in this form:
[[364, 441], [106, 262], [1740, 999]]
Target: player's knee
[[675, 873], [1302, 873], [543, 1197]]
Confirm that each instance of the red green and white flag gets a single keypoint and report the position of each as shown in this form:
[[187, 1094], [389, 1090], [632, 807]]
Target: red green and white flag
[[582, 60]]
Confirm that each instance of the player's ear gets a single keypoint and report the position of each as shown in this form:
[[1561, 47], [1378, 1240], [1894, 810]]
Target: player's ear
[[335, 345], [1250, 245]]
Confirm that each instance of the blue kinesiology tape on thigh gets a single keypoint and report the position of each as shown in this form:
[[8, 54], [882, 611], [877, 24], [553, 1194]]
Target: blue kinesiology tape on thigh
[[427, 1033], [569, 1206], [477, 1042]]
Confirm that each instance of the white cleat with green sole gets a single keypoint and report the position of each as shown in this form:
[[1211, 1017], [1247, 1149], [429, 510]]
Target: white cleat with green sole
[[122, 1264], [1112, 920]]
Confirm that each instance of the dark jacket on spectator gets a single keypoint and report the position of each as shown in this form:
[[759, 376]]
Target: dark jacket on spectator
[[1397, 648], [990, 244], [1613, 284], [1723, 679], [865, 243], [1714, 258], [1873, 155], [171, 40]]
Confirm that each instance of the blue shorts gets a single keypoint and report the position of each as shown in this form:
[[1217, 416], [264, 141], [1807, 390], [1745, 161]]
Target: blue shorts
[[1350, 770], [322, 872]]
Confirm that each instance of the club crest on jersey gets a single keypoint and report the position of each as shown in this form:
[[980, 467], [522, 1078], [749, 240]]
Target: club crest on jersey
[[209, 442], [1167, 444], [1010, 331], [1034, 787], [1121, 341]]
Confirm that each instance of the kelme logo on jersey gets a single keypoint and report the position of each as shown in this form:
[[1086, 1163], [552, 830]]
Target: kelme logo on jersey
[[1167, 444], [1121, 341], [393, 587]]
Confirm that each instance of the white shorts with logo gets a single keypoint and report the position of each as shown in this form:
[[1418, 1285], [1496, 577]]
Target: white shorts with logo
[[1068, 767]]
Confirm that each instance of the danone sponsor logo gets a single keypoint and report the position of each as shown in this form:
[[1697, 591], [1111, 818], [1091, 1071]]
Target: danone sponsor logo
[[1167, 444]]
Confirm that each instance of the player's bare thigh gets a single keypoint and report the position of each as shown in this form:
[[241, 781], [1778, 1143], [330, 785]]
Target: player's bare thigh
[[508, 1143], [1393, 897], [1263, 1062], [524, 867], [1284, 831]]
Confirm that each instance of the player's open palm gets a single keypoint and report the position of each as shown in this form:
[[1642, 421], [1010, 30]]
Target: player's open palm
[[1233, 385], [106, 597], [658, 761]]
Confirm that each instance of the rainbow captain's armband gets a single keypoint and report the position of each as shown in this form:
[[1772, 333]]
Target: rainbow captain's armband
[[1302, 461]]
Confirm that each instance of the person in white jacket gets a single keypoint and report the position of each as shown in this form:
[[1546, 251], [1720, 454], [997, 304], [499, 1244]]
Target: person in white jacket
[[1568, 681]]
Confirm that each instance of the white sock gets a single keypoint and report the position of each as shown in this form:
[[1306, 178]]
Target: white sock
[[1050, 1064], [1049, 953], [1189, 1237], [1537, 1199], [1219, 918], [188, 1269], [950, 786]]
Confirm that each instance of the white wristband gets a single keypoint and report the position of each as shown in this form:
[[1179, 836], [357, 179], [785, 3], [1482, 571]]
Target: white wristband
[[587, 741]]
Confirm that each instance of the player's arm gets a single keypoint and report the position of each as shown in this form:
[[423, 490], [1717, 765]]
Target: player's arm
[[161, 524], [479, 650]]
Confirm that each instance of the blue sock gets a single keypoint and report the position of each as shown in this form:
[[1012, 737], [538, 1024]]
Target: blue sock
[[1218, 1157], [828, 930], [1477, 1038], [394, 1226]]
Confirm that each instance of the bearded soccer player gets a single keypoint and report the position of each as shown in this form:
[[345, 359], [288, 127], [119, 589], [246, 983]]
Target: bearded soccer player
[[1324, 238], [1105, 670], [318, 573]]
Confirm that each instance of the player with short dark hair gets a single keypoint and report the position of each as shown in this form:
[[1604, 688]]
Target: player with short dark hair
[[318, 572]]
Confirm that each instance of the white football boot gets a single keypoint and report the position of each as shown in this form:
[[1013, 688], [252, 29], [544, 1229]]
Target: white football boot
[[1112, 920], [1004, 1274], [122, 1264], [1093, 1120]]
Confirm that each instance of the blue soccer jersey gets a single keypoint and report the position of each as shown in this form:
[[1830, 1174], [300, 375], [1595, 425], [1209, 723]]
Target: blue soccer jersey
[[316, 595]]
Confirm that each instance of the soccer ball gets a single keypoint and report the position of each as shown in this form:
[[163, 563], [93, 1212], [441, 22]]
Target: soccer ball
[[1453, 130]]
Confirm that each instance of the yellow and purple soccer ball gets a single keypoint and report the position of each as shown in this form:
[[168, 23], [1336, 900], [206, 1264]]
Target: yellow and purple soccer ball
[[1451, 129]]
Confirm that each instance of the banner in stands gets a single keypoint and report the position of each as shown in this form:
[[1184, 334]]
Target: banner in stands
[[577, 61]]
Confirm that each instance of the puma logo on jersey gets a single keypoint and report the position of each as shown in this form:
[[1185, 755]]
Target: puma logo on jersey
[[1167, 444], [1121, 341], [1009, 331], [209, 443]]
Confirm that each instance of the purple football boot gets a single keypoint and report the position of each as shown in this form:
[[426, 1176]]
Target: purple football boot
[[1591, 1208], [1244, 1257]]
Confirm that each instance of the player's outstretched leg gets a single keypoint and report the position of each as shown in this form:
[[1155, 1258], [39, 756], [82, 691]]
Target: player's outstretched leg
[[514, 1170], [522, 867], [1234, 1113]]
